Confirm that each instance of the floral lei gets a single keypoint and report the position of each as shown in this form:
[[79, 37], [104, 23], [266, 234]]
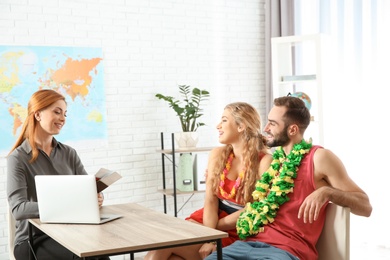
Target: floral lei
[[223, 177], [271, 190]]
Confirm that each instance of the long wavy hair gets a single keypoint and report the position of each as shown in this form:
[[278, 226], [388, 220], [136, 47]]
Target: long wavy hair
[[254, 144], [40, 100]]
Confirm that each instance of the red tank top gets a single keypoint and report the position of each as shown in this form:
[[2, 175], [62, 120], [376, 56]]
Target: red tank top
[[288, 232]]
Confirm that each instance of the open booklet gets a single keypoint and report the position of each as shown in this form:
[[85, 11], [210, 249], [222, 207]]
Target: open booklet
[[105, 178]]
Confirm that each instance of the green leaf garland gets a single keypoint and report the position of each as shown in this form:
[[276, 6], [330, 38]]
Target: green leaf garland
[[271, 190]]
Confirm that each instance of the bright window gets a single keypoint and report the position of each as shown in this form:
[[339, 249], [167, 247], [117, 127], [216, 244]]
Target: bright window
[[356, 99]]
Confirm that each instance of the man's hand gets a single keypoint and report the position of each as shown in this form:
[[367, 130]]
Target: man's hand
[[311, 206]]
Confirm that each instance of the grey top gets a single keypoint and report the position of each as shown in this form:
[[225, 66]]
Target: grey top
[[22, 197]]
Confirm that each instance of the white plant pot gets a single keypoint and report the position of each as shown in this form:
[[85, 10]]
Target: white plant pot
[[186, 140]]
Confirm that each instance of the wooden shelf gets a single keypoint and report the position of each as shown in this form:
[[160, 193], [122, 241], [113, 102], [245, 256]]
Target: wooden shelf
[[297, 78], [169, 192], [297, 66], [190, 150], [170, 155]]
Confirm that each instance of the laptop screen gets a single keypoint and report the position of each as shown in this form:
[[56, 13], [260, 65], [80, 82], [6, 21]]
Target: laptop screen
[[67, 199]]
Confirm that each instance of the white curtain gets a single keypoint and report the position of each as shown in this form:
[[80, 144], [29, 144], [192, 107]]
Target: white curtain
[[356, 99], [279, 22]]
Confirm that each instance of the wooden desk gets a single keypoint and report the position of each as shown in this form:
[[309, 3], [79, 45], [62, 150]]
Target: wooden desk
[[140, 229]]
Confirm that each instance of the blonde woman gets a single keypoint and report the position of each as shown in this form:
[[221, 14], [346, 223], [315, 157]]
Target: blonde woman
[[232, 172]]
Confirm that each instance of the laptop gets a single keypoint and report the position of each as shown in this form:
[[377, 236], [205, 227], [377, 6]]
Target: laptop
[[70, 199]]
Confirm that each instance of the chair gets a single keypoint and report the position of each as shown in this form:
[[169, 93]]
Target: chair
[[334, 239], [11, 233]]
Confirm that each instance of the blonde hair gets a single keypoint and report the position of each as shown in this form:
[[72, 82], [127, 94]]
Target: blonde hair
[[254, 144], [40, 100]]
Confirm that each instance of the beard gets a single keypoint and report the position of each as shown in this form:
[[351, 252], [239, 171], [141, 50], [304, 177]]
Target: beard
[[279, 139]]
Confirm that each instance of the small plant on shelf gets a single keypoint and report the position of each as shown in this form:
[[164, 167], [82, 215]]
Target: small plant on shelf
[[188, 109]]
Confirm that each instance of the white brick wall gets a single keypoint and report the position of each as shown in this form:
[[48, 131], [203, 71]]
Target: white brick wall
[[148, 47]]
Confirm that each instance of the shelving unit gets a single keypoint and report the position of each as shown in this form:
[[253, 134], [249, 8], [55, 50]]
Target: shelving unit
[[298, 66], [170, 154]]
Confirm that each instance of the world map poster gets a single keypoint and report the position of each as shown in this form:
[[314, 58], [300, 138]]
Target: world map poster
[[77, 73]]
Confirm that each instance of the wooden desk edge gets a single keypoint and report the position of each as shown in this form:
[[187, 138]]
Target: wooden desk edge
[[115, 207]]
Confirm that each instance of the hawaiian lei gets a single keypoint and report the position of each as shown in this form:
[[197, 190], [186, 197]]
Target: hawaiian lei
[[271, 190], [223, 177]]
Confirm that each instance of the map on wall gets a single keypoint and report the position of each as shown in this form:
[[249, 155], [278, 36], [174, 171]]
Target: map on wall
[[77, 73]]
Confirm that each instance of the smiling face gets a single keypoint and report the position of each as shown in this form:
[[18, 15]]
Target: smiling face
[[276, 129], [52, 119], [228, 129]]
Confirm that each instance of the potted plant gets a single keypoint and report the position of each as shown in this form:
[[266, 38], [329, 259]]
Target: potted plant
[[188, 109]]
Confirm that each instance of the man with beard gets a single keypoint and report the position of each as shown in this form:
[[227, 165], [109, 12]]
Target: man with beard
[[288, 213]]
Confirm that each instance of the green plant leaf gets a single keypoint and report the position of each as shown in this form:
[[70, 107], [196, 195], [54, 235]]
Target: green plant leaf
[[190, 111]]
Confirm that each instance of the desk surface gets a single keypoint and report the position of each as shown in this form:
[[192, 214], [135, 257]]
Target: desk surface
[[140, 229]]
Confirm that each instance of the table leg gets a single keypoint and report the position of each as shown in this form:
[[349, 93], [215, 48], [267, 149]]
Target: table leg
[[219, 249], [131, 256]]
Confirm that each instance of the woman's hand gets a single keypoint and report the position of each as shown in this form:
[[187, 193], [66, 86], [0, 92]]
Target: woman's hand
[[207, 249], [100, 199]]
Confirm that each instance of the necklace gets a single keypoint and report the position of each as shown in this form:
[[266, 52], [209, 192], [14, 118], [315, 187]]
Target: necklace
[[271, 190], [223, 177]]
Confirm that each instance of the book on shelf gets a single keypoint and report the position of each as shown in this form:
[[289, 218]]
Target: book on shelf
[[105, 178]]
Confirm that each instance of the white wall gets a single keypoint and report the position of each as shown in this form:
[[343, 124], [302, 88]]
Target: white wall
[[148, 47]]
